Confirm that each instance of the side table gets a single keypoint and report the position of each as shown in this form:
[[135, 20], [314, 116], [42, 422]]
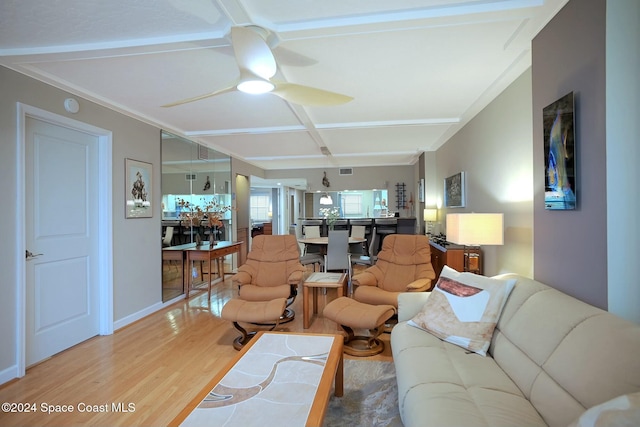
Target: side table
[[313, 283]]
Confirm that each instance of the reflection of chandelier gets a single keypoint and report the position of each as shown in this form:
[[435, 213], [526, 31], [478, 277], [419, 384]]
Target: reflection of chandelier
[[326, 199]]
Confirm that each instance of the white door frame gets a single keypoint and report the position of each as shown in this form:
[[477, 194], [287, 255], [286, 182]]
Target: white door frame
[[105, 239]]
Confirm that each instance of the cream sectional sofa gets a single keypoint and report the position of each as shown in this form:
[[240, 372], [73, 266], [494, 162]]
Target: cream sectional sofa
[[551, 357]]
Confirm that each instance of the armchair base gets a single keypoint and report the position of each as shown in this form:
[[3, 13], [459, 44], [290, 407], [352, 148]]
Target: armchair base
[[256, 312], [362, 345]]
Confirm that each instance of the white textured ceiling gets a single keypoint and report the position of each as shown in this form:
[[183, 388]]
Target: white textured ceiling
[[418, 69]]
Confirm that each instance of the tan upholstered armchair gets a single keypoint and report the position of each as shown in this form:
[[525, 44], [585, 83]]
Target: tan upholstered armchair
[[272, 270], [403, 265]]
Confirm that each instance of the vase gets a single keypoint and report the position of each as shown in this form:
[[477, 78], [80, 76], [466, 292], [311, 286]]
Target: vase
[[212, 238], [198, 240]]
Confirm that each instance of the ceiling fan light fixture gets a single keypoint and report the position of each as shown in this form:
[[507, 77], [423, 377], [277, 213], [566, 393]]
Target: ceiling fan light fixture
[[255, 86]]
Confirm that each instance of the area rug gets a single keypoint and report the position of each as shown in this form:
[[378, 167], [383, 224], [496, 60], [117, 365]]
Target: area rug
[[370, 396]]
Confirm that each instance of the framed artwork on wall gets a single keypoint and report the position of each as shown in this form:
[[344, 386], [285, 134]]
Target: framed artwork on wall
[[138, 189], [559, 154], [421, 190], [454, 191]]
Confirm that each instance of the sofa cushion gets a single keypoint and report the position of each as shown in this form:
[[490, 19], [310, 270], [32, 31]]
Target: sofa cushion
[[622, 411], [441, 384], [546, 341], [463, 309]]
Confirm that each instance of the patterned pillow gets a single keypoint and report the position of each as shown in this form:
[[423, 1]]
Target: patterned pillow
[[623, 411], [463, 309]]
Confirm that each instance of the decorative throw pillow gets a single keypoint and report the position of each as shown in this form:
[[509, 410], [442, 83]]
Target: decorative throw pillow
[[463, 309], [623, 411]]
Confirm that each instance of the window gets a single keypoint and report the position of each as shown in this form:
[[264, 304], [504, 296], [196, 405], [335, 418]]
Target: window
[[351, 204], [259, 207]]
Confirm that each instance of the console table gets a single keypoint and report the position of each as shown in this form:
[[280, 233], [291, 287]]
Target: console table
[[454, 256]]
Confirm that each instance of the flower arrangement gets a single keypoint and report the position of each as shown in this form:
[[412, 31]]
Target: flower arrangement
[[211, 212], [331, 215]]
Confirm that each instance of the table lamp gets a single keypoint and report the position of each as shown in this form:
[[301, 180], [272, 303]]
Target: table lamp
[[430, 216], [473, 230]]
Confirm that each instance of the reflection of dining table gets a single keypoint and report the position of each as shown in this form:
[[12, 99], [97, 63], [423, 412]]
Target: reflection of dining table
[[190, 252], [322, 242]]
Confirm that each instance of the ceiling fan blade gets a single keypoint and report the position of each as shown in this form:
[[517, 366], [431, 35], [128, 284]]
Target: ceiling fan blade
[[289, 57], [305, 95], [253, 53], [199, 97]]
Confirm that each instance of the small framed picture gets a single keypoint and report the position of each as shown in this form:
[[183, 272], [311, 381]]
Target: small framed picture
[[454, 192], [138, 189], [421, 190]]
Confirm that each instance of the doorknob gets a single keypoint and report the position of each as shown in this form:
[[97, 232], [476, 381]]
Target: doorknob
[[31, 255]]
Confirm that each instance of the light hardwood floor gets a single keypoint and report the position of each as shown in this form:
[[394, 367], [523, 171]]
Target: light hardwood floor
[[152, 368]]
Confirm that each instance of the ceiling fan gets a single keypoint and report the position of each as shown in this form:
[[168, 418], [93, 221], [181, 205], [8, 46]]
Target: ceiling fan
[[257, 67]]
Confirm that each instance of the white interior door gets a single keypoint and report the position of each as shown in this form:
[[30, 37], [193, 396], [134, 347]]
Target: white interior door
[[61, 201]]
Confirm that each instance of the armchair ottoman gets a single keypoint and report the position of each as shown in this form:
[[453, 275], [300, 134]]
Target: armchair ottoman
[[350, 315]]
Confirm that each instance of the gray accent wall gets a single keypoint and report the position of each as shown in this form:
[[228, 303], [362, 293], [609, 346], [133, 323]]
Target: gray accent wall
[[570, 247], [592, 47]]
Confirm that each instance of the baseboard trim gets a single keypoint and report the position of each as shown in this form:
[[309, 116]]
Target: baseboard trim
[[132, 318], [125, 321], [11, 373]]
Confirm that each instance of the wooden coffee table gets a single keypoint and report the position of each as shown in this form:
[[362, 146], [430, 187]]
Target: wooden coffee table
[[277, 378], [314, 282]]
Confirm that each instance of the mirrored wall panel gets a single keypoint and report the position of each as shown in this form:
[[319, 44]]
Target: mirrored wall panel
[[196, 201]]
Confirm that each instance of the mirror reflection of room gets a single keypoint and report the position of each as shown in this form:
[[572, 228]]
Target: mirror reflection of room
[[196, 180], [263, 208]]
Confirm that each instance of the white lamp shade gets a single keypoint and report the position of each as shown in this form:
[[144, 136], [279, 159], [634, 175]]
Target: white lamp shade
[[475, 229], [430, 214], [326, 199]]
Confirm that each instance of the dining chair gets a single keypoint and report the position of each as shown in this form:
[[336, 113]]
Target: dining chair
[[311, 231], [167, 241], [370, 258], [358, 232], [168, 237], [385, 227], [341, 224], [307, 258], [337, 257]]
